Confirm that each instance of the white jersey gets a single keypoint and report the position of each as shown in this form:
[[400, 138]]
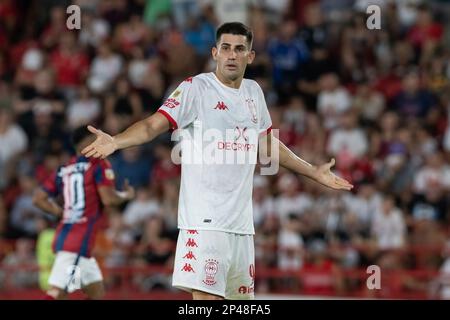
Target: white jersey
[[224, 123]]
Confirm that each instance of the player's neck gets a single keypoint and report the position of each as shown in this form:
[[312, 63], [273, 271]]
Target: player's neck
[[236, 84]]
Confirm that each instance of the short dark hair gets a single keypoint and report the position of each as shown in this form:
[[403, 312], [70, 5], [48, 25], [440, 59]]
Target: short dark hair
[[79, 134], [236, 28]]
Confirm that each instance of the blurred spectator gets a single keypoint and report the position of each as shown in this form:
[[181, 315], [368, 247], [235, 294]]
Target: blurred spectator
[[22, 257], [131, 34], [287, 53], [25, 216], [95, 30], [290, 201], [122, 107], [105, 67], [84, 109], [413, 101], [183, 9], [263, 202], [388, 225], [230, 10], [333, 100], [314, 31], [320, 276], [133, 165], [348, 142], [13, 141], [143, 207], [290, 244], [55, 28], [368, 103], [69, 62], [200, 34]]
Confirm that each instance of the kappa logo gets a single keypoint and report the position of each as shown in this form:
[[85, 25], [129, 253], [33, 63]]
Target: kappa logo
[[240, 133], [189, 256], [191, 243], [192, 232], [187, 268], [221, 106], [211, 268]]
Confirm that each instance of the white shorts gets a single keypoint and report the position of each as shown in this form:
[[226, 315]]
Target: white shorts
[[215, 262], [70, 275]]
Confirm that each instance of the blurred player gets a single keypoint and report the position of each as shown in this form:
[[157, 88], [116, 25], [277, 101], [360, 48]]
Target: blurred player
[[215, 250], [86, 186]]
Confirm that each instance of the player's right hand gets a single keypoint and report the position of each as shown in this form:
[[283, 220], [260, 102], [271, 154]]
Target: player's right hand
[[102, 147]]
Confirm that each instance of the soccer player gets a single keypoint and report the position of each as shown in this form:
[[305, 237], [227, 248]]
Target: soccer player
[[87, 186], [215, 256]]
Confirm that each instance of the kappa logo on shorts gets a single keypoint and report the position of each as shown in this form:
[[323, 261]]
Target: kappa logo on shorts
[[187, 268], [211, 268], [189, 256], [191, 243], [192, 231]]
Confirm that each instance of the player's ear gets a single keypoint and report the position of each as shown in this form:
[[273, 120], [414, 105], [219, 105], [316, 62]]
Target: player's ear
[[214, 52], [251, 56]]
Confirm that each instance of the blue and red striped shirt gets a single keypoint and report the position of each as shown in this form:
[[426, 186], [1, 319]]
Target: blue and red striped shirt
[[78, 182]]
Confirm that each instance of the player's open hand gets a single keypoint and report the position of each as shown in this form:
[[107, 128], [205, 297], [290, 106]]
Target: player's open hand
[[102, 147], [329, 179]]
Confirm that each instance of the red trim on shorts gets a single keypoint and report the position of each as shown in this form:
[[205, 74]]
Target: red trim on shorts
[[169, 117]]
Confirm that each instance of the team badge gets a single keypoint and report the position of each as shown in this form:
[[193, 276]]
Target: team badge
[[211, 268], [109, 174], [252, 107]]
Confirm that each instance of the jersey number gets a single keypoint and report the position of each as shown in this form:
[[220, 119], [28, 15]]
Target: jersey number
[[74, 196]]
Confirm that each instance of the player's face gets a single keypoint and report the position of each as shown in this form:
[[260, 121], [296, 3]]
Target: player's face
[[232, 54]]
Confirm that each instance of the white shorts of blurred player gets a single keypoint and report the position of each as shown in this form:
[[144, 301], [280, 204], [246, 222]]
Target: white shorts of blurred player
[[215, 262], [69, 274]]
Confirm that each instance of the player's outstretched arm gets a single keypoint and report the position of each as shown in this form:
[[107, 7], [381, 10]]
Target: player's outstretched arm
[[141, 132], [43, 202], [321, 174]]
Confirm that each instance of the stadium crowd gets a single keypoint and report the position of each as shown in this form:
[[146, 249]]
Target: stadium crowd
[[378, 101]]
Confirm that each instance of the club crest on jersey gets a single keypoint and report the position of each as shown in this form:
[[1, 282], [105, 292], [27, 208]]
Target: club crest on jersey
[[211, 268], [175, 94], [109, 174], [252, 107]]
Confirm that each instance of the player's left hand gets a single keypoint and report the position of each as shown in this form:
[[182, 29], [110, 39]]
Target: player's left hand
[[329, 179]]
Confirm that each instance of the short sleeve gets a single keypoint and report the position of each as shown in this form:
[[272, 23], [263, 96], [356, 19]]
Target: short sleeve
[[265, 122], [104, 174], [180, 107]]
